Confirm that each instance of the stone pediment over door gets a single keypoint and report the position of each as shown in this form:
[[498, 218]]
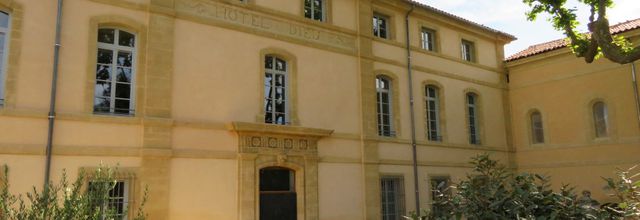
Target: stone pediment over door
[[267, 145]]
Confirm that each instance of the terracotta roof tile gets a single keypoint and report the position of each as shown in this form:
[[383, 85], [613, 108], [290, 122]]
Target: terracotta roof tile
[[561, 43]]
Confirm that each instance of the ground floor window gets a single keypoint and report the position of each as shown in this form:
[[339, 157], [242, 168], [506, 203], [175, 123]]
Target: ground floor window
[[392, 189]]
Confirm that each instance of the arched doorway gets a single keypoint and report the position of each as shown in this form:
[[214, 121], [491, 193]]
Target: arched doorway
[[277, 194]]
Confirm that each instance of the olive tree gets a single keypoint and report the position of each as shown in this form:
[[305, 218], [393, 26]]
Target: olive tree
[[598, 41]]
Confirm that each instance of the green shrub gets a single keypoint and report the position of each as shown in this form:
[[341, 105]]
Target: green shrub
[[64, 201]]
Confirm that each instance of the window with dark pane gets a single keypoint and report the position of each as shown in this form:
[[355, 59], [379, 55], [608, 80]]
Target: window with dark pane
[[600, 119], [315, 9], [275, 90], [117, 201], [537, 131], [468, 50], [4, 41], [383, 106], [433, 113], [472, 118], [115, 72], [380, 26], [439, 187], [392, 195], [428, 37]]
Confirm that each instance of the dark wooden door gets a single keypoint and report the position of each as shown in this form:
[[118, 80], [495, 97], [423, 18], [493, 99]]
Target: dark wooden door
[[277, 194]]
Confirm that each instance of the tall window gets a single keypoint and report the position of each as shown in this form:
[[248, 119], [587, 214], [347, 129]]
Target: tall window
[[600, 119], [537, 131], [275, 90], [392, 190], [383, 90], [117, 202], [380, 26], [433, 113], [468, 50], [4, 39], [115, 72], [439, 187], [428, 38], [472, 118], [314, 9]]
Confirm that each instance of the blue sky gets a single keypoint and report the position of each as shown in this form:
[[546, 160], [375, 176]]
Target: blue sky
[[509, 16]]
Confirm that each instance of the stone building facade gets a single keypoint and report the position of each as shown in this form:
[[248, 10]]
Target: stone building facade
[[223, 107]]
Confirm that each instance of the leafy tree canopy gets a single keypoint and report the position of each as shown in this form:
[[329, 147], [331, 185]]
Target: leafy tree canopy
[[593, 44]]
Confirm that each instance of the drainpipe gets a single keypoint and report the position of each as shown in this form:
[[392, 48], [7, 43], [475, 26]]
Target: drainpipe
[[634, 78], [412, 114], [52, 102]]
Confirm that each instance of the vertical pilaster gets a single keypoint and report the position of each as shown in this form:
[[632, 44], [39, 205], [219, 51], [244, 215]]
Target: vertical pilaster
[[311, 187], [156, 158], [369, 150], [247, 190]]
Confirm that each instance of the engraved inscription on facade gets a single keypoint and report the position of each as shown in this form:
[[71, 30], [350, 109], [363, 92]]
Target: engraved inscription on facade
[[222, 13]]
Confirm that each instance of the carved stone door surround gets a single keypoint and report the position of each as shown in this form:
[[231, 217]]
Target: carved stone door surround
[[268, 145]]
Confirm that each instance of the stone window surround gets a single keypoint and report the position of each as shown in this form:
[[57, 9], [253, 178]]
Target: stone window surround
[[473, 47], [327, 17], [127, 174], [129, 25], [479, 117], [395, 100], [611, 122], [530, 127], [442, 125], [292, 84], [13, 50], [117, 48]]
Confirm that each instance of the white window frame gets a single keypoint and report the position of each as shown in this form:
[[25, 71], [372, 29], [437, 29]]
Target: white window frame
[[398, 200], [376, 18], [468, 50], [4, 56], [312, 8], [380, 105], [274, 72], [428, 37], [600, 120], [537, 127], [116, 48], [435, 107], [472, 119], [124, 198]]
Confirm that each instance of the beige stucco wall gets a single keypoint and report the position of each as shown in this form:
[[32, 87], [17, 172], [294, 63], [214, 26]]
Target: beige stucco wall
[[563, 88], [198, 72]]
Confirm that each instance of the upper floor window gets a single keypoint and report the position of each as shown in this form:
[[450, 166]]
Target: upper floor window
[[115, 72], [468, 50], [275, 90], [380, 26], [433, 113], [472, 118], [392, 190], [383, 92], [428, 37], [600, 119], [4, 39], [537, 131], [315, 10]]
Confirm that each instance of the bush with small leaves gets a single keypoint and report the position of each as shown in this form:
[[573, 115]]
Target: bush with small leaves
[[65, 201]]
